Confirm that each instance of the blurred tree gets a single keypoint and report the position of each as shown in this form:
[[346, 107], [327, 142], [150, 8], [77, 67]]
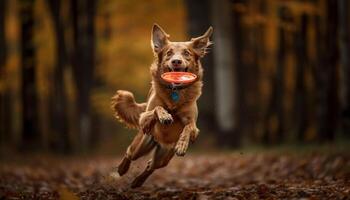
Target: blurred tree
[[264, 33], [242, 109], [300, 105], [107, 30], [83, 63], [4, 103], [246, 70], [344, 42], [252, 54], [58, 100], [3, 49], [198, 16], [30, 130], [326, 76], [224, 71], [275, 107]]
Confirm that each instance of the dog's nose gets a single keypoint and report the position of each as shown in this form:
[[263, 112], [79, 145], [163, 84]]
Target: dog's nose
[[176, 62]]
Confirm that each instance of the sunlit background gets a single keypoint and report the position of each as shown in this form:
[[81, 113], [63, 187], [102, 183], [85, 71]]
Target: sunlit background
[[286, 62]]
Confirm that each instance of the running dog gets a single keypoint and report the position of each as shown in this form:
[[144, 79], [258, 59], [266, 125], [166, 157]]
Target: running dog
[[164, 124]]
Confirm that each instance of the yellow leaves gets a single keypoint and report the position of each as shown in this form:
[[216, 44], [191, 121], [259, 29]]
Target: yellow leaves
[[44, 39], [66, 194], [253, 15], [240, 8], [298, 8], [12, 23]]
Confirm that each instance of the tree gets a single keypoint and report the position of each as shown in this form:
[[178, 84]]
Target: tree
[[300, 105], [225, 77], [247, 73], [275, 108], [326, 75], [58, 102], [83, 63], [198, 22], [30, 129], [344, 42], [3, 52]]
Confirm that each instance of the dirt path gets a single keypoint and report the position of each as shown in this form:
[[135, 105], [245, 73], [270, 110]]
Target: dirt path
[[215, 176]]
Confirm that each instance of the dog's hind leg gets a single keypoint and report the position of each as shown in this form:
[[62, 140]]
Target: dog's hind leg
[[161, 158], [143, 141], [141, 145]]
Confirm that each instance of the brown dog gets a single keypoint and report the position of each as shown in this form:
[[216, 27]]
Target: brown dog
[[167, 122]]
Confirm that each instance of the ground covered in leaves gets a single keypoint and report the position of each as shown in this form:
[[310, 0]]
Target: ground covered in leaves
[[259, 175]]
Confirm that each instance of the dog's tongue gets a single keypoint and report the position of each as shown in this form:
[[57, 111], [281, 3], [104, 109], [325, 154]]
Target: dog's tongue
[[179, 77]]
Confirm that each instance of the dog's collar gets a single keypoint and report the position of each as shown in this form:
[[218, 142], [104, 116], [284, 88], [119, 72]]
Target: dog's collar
[[174, 90], [176, 86]]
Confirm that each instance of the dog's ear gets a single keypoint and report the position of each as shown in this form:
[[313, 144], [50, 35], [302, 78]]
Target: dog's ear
[[200, 44], [159, 38]]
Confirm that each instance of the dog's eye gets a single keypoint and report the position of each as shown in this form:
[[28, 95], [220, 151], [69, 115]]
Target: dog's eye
[[169, 53], [186, 53]]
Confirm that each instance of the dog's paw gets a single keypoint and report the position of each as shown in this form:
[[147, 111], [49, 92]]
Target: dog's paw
[[194, 135], [124, 166], [181, 147], [165, 118]]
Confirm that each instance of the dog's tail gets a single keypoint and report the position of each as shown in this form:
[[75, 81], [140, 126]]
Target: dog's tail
[[126, 109]]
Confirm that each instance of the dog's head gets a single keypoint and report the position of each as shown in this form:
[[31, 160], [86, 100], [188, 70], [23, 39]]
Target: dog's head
[[179, 56]]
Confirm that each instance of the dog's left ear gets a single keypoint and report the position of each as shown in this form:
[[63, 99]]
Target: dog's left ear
[[200, 44], [159, 38]]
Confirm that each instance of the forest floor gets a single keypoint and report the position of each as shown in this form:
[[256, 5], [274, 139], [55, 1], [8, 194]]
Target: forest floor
[[220, 175]]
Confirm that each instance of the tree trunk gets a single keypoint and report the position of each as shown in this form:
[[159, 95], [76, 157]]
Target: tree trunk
[[246, 74], [225, 78], [258, 59], [30, 130], [300, 105], [344, 42], [3, 46], [327, 110], [275, 112], [198, 22], [4, 134], [83, 63], [58, 101], [266, 51], [280, 76]]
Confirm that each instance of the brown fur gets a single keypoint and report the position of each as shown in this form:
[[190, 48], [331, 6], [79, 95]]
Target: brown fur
[[164, 124], [126, 109]]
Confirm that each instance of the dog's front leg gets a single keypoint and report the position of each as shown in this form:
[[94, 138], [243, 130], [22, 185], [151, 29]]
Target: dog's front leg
[[149, 118], [190, 132]]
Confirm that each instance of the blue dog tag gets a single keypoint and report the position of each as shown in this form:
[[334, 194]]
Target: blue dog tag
[[174, 96]]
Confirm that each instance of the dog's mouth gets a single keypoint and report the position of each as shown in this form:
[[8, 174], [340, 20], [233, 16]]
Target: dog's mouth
[[177, 69]]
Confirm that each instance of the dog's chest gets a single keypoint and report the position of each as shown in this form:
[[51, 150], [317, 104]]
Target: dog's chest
[[174, 100], [168, 134]]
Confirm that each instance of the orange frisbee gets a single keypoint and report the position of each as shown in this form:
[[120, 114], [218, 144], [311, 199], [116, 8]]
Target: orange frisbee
[[179, 77]]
